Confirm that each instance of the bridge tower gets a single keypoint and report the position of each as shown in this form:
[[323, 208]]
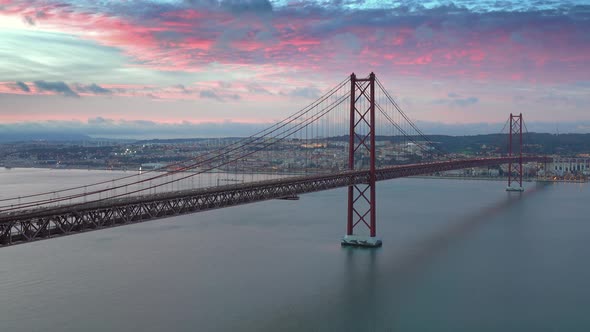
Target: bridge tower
[[515, 171], [361, 197]]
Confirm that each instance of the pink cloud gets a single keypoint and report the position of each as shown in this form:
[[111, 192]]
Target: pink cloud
[[490, 48]]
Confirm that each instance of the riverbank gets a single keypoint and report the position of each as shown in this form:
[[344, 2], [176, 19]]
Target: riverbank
[[479, 178], [445, 177], [496, 178]]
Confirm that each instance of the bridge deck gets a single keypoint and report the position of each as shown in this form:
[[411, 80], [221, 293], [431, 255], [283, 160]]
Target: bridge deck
[[42, 223]]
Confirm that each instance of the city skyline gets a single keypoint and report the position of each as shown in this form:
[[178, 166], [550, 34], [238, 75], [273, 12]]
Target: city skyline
[[160, 66]]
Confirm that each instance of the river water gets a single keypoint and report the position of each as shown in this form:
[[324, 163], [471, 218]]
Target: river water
[[457, 255]]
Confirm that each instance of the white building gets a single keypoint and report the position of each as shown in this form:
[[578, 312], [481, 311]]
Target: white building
[[561, 166]]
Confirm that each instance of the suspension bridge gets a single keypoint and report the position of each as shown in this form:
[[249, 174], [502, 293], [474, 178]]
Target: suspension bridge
[[353, 136]]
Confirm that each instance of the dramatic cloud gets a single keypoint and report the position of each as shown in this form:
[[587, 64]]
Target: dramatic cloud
[[23, 86], [29, 20], [257, 89], [465, 101], [510, 42], [211, 94], [57, 87], [309, 92], [456, 100], [241, 6], [93, 89], [497, 55]]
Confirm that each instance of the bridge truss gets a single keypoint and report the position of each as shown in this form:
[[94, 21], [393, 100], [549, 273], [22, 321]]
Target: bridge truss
[[45, 223]]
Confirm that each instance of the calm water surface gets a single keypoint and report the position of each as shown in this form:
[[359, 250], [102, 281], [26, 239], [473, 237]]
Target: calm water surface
[[457, 256]]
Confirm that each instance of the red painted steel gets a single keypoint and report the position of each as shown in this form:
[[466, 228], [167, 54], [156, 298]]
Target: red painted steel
[[362, 117], [349, 225], [515, 173], [372, 173]]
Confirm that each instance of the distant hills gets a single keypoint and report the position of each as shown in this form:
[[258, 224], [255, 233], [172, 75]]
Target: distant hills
[[6, 137], [544, 143], [564, 144]]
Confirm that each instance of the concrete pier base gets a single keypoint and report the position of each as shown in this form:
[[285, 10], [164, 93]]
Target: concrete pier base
[[361, 241], [521, 189]]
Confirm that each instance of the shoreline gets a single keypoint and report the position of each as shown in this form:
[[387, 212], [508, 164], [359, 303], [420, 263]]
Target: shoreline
[[478, 178], [483, 178], [432, 177]]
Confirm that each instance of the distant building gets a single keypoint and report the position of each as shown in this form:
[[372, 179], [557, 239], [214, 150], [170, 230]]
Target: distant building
[[561, 166], [152, 166]]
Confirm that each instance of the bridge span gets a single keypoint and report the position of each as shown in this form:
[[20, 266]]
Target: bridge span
[[34, 224], [357, 109]]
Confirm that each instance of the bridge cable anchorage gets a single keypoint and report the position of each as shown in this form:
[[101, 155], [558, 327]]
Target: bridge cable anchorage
[[241, 143]]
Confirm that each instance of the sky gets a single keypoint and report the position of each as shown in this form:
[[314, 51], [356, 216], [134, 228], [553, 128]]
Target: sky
[[193, 68]]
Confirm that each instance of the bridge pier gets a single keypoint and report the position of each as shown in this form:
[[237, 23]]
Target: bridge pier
[[362, 197], [515, 171], [361, 241]]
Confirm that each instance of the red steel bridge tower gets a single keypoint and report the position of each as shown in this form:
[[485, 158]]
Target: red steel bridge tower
[[362, 197], [515, 171]]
